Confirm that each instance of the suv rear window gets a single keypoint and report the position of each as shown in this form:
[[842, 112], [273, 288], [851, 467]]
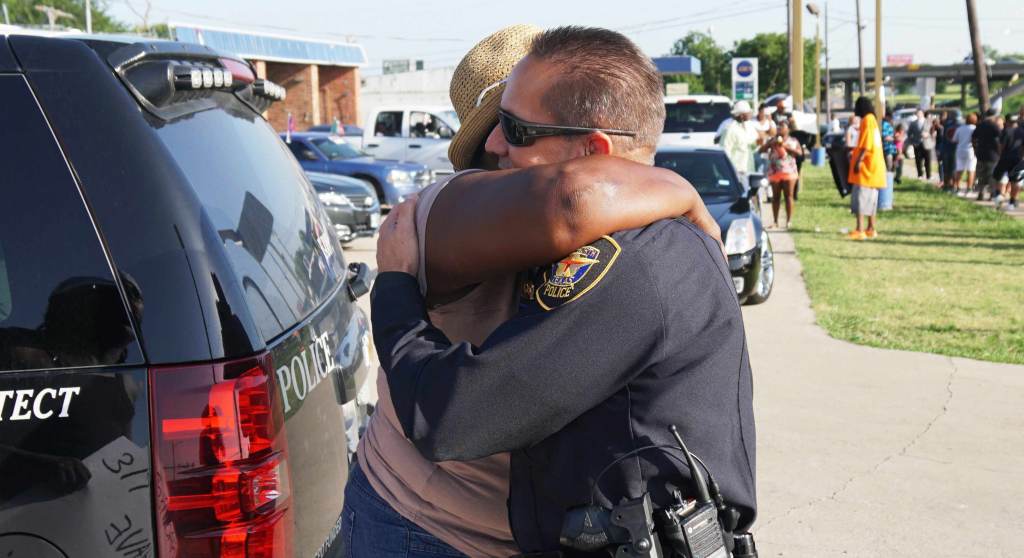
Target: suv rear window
[[695, 117], [59, 304], [257, 198]]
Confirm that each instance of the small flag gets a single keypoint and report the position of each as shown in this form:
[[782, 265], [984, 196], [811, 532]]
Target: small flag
[[291, 128]]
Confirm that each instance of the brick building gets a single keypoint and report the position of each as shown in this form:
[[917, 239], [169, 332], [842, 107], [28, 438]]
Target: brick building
[[321, 77]]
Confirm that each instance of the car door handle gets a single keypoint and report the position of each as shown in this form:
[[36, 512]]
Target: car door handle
[[369, 145], [414, 146]]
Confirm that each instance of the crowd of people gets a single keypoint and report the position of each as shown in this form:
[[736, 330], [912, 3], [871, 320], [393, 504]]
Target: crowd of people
[[763, 144], [974, 157]]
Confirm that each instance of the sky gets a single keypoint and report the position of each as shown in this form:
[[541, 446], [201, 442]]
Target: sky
[[441, 31]]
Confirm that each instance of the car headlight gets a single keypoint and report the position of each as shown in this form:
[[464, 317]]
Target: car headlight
[[333, 198], [740, 237], [399, 176]]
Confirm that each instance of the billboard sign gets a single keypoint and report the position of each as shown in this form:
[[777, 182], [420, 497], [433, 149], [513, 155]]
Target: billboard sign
[[899, 59]]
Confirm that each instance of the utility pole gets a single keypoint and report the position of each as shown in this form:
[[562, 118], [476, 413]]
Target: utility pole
[[789, 33], [7, 16], [796, 55], [980, 67], [816, 12], [52, 14], [860, 52], [828, 71], [88, 16], [879, 96]]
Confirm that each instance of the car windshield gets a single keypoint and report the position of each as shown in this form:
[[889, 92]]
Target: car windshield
[[335, 148], [710, 173], [687, 117], [451, 118]]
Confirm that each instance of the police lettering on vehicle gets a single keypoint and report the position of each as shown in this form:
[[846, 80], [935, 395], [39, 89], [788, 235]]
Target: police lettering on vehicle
[[26, 404], [306, 369], [572, 277]]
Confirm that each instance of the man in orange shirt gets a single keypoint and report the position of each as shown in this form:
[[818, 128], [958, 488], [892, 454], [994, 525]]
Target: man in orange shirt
[[867, 170]]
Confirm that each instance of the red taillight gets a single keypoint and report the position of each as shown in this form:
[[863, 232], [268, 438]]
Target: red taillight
[[219, 447], [240, 71]]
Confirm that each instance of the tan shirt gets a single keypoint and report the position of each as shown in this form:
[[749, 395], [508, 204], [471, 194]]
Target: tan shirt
[[461, 503]]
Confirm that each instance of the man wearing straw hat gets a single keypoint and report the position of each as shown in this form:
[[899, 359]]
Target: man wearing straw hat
[[627, 335], [398, 503], [740, 139]]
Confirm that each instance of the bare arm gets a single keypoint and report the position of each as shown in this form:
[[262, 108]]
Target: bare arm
[[490, 223], [856, 160]]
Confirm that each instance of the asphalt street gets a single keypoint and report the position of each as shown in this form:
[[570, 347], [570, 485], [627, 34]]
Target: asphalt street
[[867, 452], [364, 250]]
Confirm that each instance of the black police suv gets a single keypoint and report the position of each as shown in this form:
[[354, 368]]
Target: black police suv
[[737, 209], [180, 352], [351, 204]]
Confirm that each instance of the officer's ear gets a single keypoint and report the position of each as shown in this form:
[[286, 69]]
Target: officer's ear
[[599, 143]]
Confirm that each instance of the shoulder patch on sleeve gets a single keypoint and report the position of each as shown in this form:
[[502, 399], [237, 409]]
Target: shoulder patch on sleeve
[[576, 274]]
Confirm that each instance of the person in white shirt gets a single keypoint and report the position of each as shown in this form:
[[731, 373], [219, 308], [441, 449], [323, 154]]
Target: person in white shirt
[[740, 139], [966, 161], [765, 129], [852, 132]]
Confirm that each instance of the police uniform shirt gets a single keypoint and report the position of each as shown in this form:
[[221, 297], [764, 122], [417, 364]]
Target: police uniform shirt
[[612, 344]]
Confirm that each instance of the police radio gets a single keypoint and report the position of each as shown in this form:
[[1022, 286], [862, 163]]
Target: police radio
[[701, 527]]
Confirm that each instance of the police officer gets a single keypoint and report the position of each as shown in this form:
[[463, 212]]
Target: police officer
[[612, 344]]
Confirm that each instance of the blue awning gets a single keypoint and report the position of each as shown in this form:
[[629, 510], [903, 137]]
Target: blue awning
[[271, 48], [674, 65]]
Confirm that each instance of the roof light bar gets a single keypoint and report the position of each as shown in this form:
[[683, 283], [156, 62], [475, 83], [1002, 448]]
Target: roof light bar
[[270, 90], [188, 77]]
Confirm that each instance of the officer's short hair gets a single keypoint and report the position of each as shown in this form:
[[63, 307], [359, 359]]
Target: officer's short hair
[[606, 81]]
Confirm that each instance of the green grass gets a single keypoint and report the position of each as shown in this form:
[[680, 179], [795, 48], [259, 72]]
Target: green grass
[[945, 276]]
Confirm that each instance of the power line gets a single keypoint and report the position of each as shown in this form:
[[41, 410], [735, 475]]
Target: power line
[[664, 21], [704, 20], [694, 19]]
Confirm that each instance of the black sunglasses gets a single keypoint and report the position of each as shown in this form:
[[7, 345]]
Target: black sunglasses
[[521, 133]]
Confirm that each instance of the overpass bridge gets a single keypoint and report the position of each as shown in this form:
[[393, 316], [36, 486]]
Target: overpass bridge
[[962, 73]]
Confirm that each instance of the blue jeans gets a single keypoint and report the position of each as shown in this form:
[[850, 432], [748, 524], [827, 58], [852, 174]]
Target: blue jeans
[[371, 528]]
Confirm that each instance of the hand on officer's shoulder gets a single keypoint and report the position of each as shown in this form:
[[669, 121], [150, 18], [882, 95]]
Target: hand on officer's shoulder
[[397, 245]]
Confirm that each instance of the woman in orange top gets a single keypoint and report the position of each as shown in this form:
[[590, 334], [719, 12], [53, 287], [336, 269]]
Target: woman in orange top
[[867, 170]]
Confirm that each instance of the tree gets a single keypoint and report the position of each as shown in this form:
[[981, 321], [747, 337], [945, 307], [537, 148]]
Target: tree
[[23, 12], [714, 63], [770, 49], [158, 30]]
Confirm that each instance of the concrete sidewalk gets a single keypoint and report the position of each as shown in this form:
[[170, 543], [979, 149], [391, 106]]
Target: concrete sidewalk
[[871, 452]]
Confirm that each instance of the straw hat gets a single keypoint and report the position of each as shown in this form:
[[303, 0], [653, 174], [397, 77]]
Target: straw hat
[[479, 79]]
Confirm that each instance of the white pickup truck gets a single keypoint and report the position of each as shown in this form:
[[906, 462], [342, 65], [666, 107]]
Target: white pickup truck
[[411, 133], [694, 120]]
